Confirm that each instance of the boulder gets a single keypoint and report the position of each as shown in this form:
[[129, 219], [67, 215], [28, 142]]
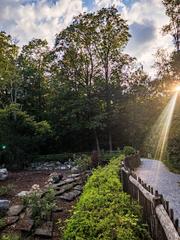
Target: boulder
[[45, 230], [3, 174], [23, 193], [4, 206], [15, 210], [75, 169], [70, 195], [25, 225]]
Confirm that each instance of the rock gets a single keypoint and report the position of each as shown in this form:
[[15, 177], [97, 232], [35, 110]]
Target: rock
[[3, 174], [75, 169], [22, 193], [65, 188], [15, 210], [70, 195], [4, 206], [57, 209], [79, 188], [11, 220], [61, 183], [25, 225], [74, 175], [45, 230], [55, 178]]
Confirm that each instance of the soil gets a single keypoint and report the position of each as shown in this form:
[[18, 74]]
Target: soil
[[22, 181]]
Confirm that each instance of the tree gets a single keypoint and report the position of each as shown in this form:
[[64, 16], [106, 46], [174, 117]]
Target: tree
[[95, 40], [34, 65], [9, 74], [173, 11], [23, 136]]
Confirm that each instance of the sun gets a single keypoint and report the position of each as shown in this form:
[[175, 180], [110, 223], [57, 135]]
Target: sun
[[177, 88]]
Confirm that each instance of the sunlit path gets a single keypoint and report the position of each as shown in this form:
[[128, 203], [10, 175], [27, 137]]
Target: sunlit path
[[156, 174]]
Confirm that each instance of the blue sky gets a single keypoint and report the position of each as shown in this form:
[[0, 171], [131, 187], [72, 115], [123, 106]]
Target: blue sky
[[27, 19]]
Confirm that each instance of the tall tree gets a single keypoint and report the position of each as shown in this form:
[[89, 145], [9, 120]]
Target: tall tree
[[173, 12], [34, 65], [95, 40], [9, 74]]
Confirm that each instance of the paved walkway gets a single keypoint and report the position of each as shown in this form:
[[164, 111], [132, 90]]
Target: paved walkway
[[156, 174]]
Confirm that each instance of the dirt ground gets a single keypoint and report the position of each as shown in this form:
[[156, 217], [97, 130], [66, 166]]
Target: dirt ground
[[22, 181]]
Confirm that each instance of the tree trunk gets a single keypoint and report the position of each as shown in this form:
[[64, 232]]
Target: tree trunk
[[110, 141], [97, 142], [108, 104]]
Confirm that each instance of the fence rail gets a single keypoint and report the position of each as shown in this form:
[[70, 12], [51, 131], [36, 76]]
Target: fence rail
[[156, 212]]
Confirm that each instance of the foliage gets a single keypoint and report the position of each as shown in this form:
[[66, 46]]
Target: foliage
[[172, 11], [21, 133], [128, 150], [104, 211], [4, 190], [41, 206], [83, 162], [2, 223], [85, 93], [10, 237]]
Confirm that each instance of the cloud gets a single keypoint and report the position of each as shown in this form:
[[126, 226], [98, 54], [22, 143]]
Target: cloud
[[146, 18], [25, 19]]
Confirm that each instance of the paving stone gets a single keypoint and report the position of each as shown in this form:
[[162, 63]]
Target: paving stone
[[45, 230], [70, 195], [78, 187], [65, 188], [75, 175], [61, 183], [25, 225], [15, 210], [11, 220]]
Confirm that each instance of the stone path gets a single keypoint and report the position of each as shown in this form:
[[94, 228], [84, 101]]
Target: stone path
[[156, 174]]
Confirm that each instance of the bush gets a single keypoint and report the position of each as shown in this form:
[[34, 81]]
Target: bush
[[2, 223], [83, 162], [41, 206], [4, 190], [104, 211], [10, 237], [128, 150]]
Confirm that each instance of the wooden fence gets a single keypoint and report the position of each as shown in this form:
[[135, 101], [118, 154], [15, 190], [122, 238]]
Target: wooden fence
[[156, 212]]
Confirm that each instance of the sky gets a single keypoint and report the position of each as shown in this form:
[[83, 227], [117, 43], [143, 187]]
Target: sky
[[27, 19]]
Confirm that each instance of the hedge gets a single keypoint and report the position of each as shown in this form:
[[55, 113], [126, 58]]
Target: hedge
[[104, 211]]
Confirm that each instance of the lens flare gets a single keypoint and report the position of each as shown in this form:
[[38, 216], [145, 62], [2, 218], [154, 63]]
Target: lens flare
[[156, 142], [177, 88]]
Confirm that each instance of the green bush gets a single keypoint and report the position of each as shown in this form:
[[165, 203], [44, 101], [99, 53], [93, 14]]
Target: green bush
[[2, 223], [10, 237], [41, 206], [104, 211], [83, 162], [4, 190], [128, 150]]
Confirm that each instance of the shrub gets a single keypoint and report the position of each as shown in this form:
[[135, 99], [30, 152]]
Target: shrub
[[10, 237], [2, 223], [4, 190], [41, 206], [104, 211], [83, 162], [128, 150]]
